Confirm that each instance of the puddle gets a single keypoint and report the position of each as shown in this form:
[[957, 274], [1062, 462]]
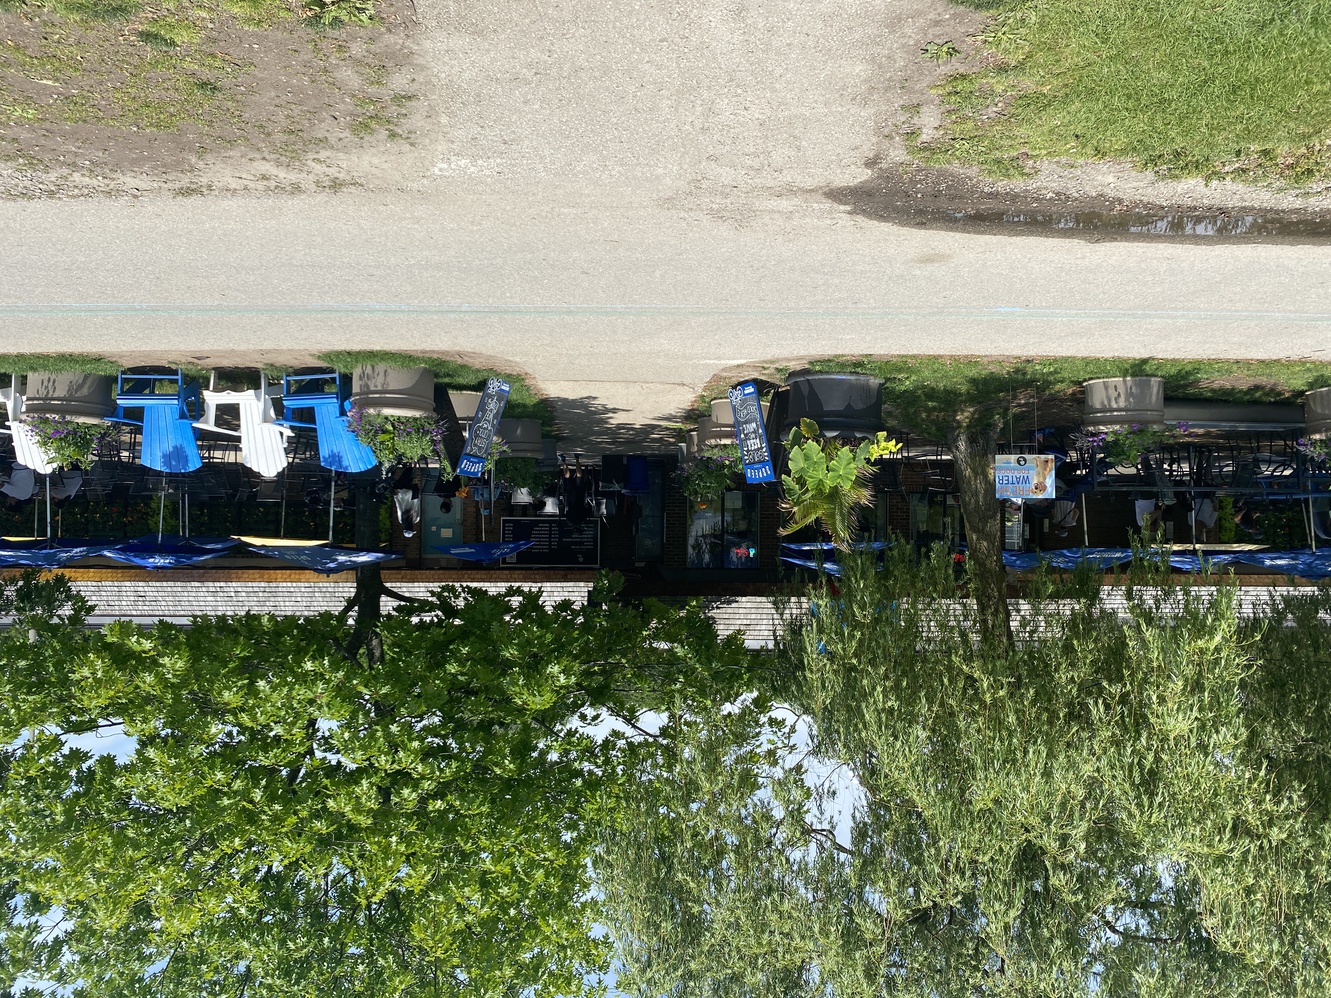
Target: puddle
[[946, 199], [1218, 225]]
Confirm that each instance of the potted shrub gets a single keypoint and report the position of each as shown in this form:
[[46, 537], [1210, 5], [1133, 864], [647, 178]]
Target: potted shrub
[[67, 441], [518, 474], [828, 479]]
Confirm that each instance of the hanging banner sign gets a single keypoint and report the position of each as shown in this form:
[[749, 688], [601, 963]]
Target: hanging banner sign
[[751, 434], [489, 411], [1024, 476]]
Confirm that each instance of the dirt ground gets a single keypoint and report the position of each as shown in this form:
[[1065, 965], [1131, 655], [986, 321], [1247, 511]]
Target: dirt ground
[[88, 110]]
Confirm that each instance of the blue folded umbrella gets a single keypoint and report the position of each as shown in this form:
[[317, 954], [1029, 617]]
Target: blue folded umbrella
[[170, 550], [322, 559], [485, 552], [42, 553]]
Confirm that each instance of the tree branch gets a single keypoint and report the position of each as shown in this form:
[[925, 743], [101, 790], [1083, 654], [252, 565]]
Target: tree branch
[[1133, 936]]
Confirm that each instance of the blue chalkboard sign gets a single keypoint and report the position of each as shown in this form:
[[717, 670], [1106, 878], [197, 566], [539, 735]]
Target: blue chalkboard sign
[[751, 434], [489, 411]]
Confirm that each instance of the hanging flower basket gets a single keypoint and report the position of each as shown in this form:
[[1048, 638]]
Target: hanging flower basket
[[66, 441], [711, 473]]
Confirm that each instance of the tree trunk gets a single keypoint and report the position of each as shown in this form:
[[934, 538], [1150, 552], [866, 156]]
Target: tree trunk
[[972, 456], [369, 581]]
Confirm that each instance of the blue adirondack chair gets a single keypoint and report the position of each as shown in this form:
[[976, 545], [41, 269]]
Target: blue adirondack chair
[[339, 450], [167, 423]]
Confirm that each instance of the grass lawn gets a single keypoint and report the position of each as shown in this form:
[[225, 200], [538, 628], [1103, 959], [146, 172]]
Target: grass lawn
[[523, 402], [924, 394], [59, 363], [1203, 88]]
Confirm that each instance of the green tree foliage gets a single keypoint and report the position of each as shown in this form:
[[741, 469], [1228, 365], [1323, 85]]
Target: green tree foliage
[[331, 805], [1111, 806]]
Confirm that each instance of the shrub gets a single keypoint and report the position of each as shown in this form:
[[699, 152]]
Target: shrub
[[331, 13]]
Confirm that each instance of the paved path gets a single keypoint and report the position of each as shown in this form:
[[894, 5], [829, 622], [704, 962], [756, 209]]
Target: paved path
[[625, 200]]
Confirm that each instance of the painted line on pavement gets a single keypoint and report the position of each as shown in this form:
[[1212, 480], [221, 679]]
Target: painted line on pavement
[[184, 309]]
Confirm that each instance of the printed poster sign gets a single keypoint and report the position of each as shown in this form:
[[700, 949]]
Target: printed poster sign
[[1024, 476], [751, 434], [489, 411]]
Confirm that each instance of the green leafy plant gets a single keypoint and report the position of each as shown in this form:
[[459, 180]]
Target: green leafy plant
[[828, 479], [332, 13], [1225, 519], [940, 52], [1125, 445], [1314, 448], [711, 473], [400, 439], [68, 442], [518, 473]]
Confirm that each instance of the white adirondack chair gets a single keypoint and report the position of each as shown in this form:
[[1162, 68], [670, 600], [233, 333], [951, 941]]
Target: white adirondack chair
[[26, 449], [263, 444]]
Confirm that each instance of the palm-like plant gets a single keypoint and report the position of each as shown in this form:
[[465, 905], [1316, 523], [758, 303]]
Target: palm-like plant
[[828, 480]]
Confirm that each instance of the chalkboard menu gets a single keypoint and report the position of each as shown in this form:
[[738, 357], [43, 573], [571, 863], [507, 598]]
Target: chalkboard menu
[[751, 433], [556, 543], [489, 411]]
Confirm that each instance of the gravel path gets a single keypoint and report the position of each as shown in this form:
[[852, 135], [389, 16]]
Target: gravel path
[[652, 94]]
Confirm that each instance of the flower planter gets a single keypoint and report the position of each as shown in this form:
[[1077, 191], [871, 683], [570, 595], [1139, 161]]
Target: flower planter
[[1112, 402], [723, 415], [523, 437], [393, 391], [465, 404], [713, 434], [843, 405], [1317, 414], [86, 398]]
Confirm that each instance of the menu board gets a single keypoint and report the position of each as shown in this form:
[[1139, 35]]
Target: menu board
[[489, 411], [556, 543], [752, 435]]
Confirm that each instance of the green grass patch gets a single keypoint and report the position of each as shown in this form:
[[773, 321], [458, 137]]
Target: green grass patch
[[925, 394], [1203, 88], [58, 363], [523, 402], [166, 33]]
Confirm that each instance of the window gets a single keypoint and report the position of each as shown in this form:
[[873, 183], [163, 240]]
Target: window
[[724, 534]]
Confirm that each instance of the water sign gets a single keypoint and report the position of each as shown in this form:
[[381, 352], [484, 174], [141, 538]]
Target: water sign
[[1024, 476], [489, 411], [751, 434]]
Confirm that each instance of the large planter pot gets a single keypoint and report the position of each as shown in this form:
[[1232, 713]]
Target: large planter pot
[[465, 404], [393, 391], [523, 437], [723, 415], [87, 398], [1317, 413], [1114, 402], [843, 405], [712, 434]]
